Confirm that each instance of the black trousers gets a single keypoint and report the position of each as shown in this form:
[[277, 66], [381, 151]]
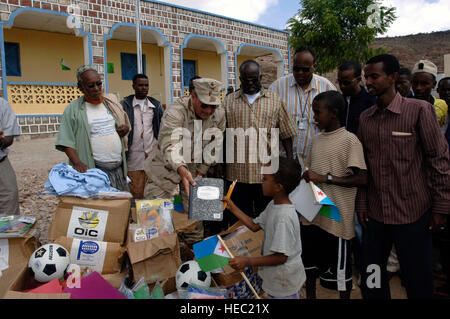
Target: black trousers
[[249, 198], [413, 243]]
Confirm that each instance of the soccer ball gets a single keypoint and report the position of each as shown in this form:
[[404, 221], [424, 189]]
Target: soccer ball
[[49, 262], [190, 273]]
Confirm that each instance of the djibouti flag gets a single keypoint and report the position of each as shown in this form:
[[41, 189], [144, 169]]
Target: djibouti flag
[[328, 209], [64, 66], [210, 254]]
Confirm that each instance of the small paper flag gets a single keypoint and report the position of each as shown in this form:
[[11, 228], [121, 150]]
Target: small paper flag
[[64, 65], [210, 254]]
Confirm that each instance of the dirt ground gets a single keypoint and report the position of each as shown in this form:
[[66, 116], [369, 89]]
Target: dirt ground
[[32, 160]]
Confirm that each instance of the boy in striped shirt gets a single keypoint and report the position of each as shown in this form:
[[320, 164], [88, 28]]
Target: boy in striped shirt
[[336, 164]]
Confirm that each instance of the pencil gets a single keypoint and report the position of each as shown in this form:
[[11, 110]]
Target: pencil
[[230, 191]]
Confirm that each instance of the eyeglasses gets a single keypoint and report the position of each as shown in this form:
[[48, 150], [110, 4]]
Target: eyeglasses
[[304, 69], [345, 82], [205, 106], [92, 85]]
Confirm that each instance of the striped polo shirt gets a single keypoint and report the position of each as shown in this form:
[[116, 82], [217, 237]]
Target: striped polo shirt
[[299, 105]]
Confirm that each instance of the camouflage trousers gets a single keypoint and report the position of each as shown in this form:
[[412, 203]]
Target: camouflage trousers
[[154, 192]]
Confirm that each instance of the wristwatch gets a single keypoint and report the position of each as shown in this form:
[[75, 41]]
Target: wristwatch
[[329, 179]]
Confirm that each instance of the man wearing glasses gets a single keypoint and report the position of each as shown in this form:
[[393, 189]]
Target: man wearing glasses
[[357, 98], [188, 123], [93, 131], [297, 90]]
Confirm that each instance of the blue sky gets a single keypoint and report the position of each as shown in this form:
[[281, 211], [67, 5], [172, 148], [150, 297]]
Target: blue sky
[[413, 16], [277, 16]]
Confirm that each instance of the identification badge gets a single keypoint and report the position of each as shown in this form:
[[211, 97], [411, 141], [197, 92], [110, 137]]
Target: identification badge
[[302, 124]]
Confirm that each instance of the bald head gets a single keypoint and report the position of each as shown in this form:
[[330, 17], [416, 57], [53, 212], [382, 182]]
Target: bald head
[[250, 76]]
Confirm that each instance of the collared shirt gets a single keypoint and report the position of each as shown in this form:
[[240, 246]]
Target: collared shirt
[[267, 112], [184, 140], [74, 131], [8, 123], [299, 104], [355, 105], [408, 162], [143, 139]]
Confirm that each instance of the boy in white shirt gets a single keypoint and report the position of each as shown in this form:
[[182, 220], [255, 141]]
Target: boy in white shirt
[[281, 266]]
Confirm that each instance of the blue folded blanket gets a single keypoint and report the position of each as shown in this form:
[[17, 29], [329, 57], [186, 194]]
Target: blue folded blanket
[[63, 179]]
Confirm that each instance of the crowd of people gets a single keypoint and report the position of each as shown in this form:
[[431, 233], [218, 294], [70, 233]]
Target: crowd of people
[[379, 149]]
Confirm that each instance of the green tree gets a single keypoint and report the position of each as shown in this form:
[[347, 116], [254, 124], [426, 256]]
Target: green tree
[[340, 30]]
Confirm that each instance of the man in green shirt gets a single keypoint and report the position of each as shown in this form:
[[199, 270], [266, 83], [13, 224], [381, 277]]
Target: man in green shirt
[[93, 131]]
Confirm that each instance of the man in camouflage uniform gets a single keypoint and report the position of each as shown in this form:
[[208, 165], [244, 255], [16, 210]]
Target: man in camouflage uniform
[[174, 166]]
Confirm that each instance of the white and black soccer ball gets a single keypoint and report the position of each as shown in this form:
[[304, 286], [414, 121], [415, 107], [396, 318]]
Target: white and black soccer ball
[[49, 262], [190, 273]]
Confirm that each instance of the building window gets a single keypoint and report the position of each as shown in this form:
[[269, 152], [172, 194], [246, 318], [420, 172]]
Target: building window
[[12, 59], [189, 71], [129, 65]]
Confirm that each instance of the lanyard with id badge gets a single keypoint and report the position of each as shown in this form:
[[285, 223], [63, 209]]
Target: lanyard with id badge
[[302, 120]]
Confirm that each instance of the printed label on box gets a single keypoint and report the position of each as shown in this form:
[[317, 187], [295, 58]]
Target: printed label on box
[[87, 223], [88, 253]]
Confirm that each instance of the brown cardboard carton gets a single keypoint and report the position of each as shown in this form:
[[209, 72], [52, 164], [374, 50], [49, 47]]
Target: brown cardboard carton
[[96, 219], [19, 251], [182, 224], [155, 259], [113, 255], [21, 248], [242, 243], [23, 281]]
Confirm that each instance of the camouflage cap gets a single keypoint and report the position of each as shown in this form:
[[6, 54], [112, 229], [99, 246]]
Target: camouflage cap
[[208, 90], [425, 66]]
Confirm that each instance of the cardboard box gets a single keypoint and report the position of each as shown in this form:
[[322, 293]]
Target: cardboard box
[[182, 224], [155, 259], [103, 257], [21, 248], [95, 219], [19, 251], [23, 281], [243, 242]]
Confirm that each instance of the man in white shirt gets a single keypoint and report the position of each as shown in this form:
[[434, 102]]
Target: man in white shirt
[[145, 115], [94, 129]]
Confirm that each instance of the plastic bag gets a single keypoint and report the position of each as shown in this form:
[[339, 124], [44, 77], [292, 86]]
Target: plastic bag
[[154, 219], [196, 292]]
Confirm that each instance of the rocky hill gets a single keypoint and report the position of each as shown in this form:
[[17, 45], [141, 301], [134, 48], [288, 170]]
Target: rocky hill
[[412, 48], [408, 49]]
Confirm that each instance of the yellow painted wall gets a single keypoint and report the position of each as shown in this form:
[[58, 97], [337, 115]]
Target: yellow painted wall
[[240, 59], [208, 63], [154, 68], [41, 53]]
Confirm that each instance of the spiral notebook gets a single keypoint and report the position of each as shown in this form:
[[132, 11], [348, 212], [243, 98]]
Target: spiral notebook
[[205, 199]]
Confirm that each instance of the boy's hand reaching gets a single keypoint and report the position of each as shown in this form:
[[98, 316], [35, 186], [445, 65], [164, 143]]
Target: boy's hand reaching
[[239, 263], [229, 203]]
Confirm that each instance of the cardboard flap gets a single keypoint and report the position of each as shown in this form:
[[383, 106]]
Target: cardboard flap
[[21, 248], [22, 282], [246, 243], [141, 251], [21, 295], [182, 224]]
